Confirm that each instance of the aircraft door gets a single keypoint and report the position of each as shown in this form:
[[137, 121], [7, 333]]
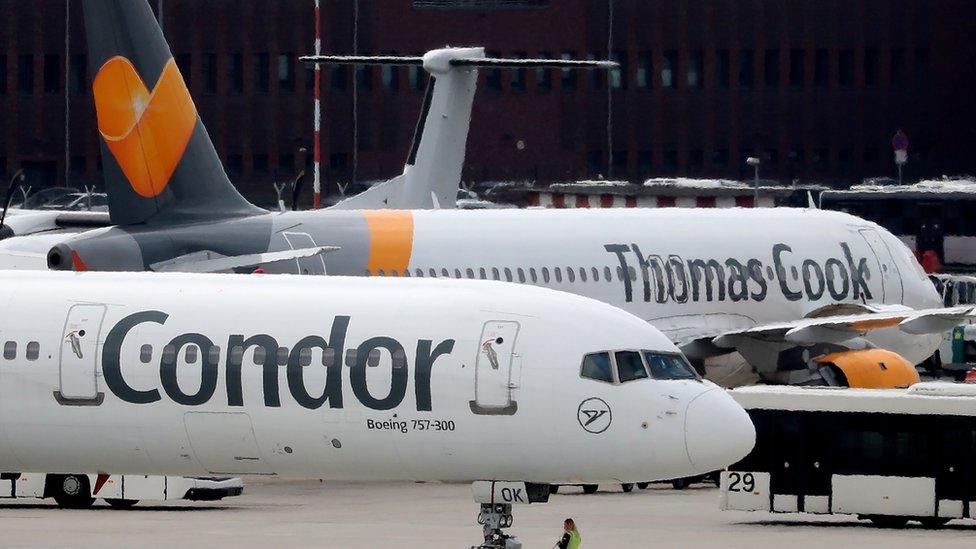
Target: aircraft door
[[493, 369], [891, 285], [306, 265], [78, 357], [224, 442]]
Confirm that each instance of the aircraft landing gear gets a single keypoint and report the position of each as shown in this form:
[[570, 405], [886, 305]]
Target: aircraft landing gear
[[494, 517], [497, 499]]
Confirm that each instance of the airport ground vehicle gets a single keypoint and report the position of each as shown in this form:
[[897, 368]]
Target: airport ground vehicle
[[119, 491], [890, 455], [957, 351]]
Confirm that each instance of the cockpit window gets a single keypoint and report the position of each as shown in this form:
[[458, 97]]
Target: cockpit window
[[597, 366], [665, 366], [629, 366]]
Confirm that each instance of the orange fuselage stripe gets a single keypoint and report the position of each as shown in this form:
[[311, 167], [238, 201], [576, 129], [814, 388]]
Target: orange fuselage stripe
[[146, 131], [390, 241]]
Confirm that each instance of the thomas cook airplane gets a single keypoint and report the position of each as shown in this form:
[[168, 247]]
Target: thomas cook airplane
[[806, 296], [346, 378]]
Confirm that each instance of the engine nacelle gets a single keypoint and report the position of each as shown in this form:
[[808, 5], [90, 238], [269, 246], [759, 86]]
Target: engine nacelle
[[108, 249], [870, 369]]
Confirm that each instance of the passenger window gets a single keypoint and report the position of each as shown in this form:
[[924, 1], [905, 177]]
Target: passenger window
[[596, 274], [597, 366], [629, 366], [432, 273], [351, 356], [420, 273], [395, 273], [406, 273], [259, 355], [328, 357], [521, 275], [10, 350], [457, 273], [169, 355], [33, 350], [469, 272], [494, 273], [213, 355], [664, 366], [608, 274], [571, 274], [282, 356], [633, 273], [508, 274], [304, 357], [559, 274], [545, 275], [445, 274], [582, 274], [237, 354], [373, 359], [145, 353], [620, 274], [380, 273], [399, 359], [191, 354], [533, 275], [482, 274]]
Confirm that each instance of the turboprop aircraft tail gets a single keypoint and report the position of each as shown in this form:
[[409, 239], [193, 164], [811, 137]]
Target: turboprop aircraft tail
[[157, 155], [432, 173]]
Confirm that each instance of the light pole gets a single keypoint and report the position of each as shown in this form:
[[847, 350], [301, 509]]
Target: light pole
[[754, 162]]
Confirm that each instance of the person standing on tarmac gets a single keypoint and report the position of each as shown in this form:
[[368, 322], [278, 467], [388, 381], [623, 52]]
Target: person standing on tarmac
[[571, 537]]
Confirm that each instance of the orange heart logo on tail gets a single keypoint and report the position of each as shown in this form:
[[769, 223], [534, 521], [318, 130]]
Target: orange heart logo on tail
[[147, 132]]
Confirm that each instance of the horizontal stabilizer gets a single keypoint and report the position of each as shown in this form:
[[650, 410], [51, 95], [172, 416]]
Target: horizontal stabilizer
[[209, 262], [493, 62]]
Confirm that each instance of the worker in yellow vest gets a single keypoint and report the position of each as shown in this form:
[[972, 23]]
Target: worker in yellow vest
[[571, 536]]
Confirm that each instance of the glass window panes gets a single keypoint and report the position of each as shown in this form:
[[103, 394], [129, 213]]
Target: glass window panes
[[145, 353], [629, 366], [191, 354], [665, 366], [597, 366], [33, 350], [373, 359]]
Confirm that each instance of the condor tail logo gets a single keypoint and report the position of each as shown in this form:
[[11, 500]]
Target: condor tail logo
[[146, 131]]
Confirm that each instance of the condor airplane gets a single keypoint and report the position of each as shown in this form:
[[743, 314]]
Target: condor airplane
[[804, 295], [346, 378]]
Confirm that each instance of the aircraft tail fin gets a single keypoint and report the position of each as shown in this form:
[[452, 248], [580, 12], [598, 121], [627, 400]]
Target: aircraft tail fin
[[157, 155], [432, 173]]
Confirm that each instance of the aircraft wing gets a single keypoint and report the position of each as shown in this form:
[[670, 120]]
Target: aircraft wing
[[208, 262], [840, 328]]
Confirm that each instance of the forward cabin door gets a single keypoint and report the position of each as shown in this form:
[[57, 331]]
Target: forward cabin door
[[493, 369], [78, 357], [887, 268]]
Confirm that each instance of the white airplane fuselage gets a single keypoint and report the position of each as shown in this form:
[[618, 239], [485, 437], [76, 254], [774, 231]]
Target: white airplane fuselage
[[688, 271], [339, 378]]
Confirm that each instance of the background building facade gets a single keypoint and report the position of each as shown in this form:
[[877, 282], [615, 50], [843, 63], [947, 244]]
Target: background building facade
[[814, 88]]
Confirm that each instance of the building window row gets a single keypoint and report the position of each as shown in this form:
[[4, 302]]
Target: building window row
[[52, 73], [699, 161], [728, 69]]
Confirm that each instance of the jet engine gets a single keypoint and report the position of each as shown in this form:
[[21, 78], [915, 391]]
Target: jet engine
[[869, 369]]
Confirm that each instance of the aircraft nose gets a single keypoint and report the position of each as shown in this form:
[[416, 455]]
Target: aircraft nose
[[718, 432]]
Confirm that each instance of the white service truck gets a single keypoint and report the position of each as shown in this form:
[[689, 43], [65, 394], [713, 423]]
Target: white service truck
[[78, 491]]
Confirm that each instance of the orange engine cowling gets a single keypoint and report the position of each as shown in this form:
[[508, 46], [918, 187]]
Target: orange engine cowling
[[871, 369]]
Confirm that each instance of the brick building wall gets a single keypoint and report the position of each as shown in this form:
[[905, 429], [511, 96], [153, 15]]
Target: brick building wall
[[815, 88]]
